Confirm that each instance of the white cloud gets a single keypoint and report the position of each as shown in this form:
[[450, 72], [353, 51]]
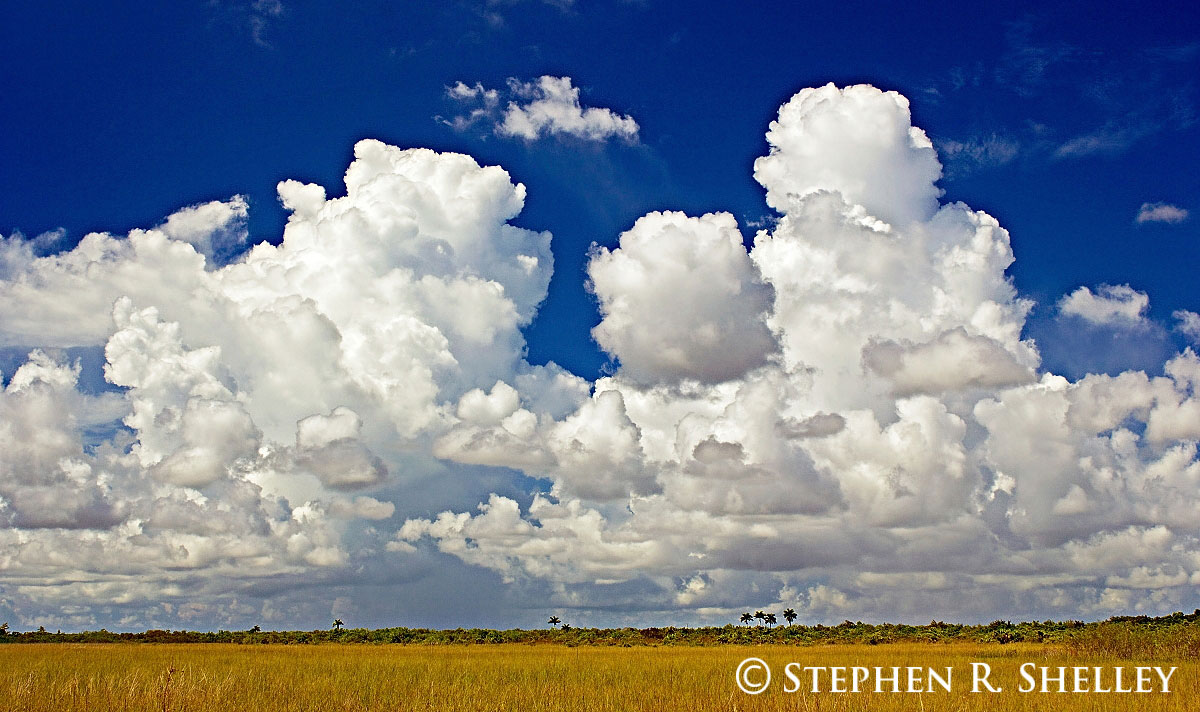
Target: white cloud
[[463, 92], [257, 387], [48, 480], [548, 106], [1161, 212], [1117, 305], [681, 299], [857, 141], [216, 229], [843, 418], [1188, 324]]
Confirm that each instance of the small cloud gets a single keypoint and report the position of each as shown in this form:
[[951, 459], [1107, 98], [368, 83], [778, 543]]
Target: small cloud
[[545, 107], [487, 99], [463, 92], [1113, 305], [1188, 324], [1161, 212], [761, 222]]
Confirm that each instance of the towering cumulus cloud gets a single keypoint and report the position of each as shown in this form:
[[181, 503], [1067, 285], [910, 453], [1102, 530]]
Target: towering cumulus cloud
[[884, 447], [249, 397], [843, 418]]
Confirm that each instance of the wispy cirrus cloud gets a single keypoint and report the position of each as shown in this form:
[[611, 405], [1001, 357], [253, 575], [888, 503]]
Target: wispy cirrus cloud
[[1026, 66], [983, 151], [494, 11], [1107, 140], [1130, 96], [261, 13], [255, 15]]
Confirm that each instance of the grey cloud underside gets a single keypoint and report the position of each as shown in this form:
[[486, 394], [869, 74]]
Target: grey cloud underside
[[843, 418]]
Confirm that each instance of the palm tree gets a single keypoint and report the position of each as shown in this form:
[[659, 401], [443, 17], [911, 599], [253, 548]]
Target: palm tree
[[566, 626], [760, 615], [746, 618], [770, 618], [256, 629], [790, 615], [554, 621], [337, 623]]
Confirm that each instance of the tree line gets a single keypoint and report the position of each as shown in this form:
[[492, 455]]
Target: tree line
[[1177, 631]]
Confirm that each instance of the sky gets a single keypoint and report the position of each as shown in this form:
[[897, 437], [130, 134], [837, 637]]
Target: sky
[[630, 312]]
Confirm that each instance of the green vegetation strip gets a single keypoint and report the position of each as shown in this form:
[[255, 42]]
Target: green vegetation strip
[[1177, 634]]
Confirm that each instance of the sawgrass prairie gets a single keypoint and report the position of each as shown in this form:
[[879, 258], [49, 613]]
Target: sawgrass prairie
[[145, 677]]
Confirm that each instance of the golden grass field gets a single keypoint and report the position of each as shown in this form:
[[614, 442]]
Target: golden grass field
[[118, 677]]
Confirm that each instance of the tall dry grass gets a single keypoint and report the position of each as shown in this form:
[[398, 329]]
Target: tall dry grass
[[500, 678], [1126, 641]]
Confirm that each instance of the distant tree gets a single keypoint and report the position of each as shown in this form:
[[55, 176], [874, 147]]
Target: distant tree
[[746, 618], [790, 615], [337, 623], [760, 616], [554, 621], [770, 618], [566, 626], [4, 628], [256, 629]]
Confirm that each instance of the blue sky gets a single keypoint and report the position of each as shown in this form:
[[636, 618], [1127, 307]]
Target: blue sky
[[1075, 127], [120, 115]]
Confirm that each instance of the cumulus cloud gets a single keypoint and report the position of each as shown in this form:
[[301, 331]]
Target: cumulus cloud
[[681, 300], [953, 360], [1117, 305], [830, 139], [892, 449], [250, 389], [49, 481], [1160, 212], [843, 418], [216, 229], [329, 447], [548, 106]]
